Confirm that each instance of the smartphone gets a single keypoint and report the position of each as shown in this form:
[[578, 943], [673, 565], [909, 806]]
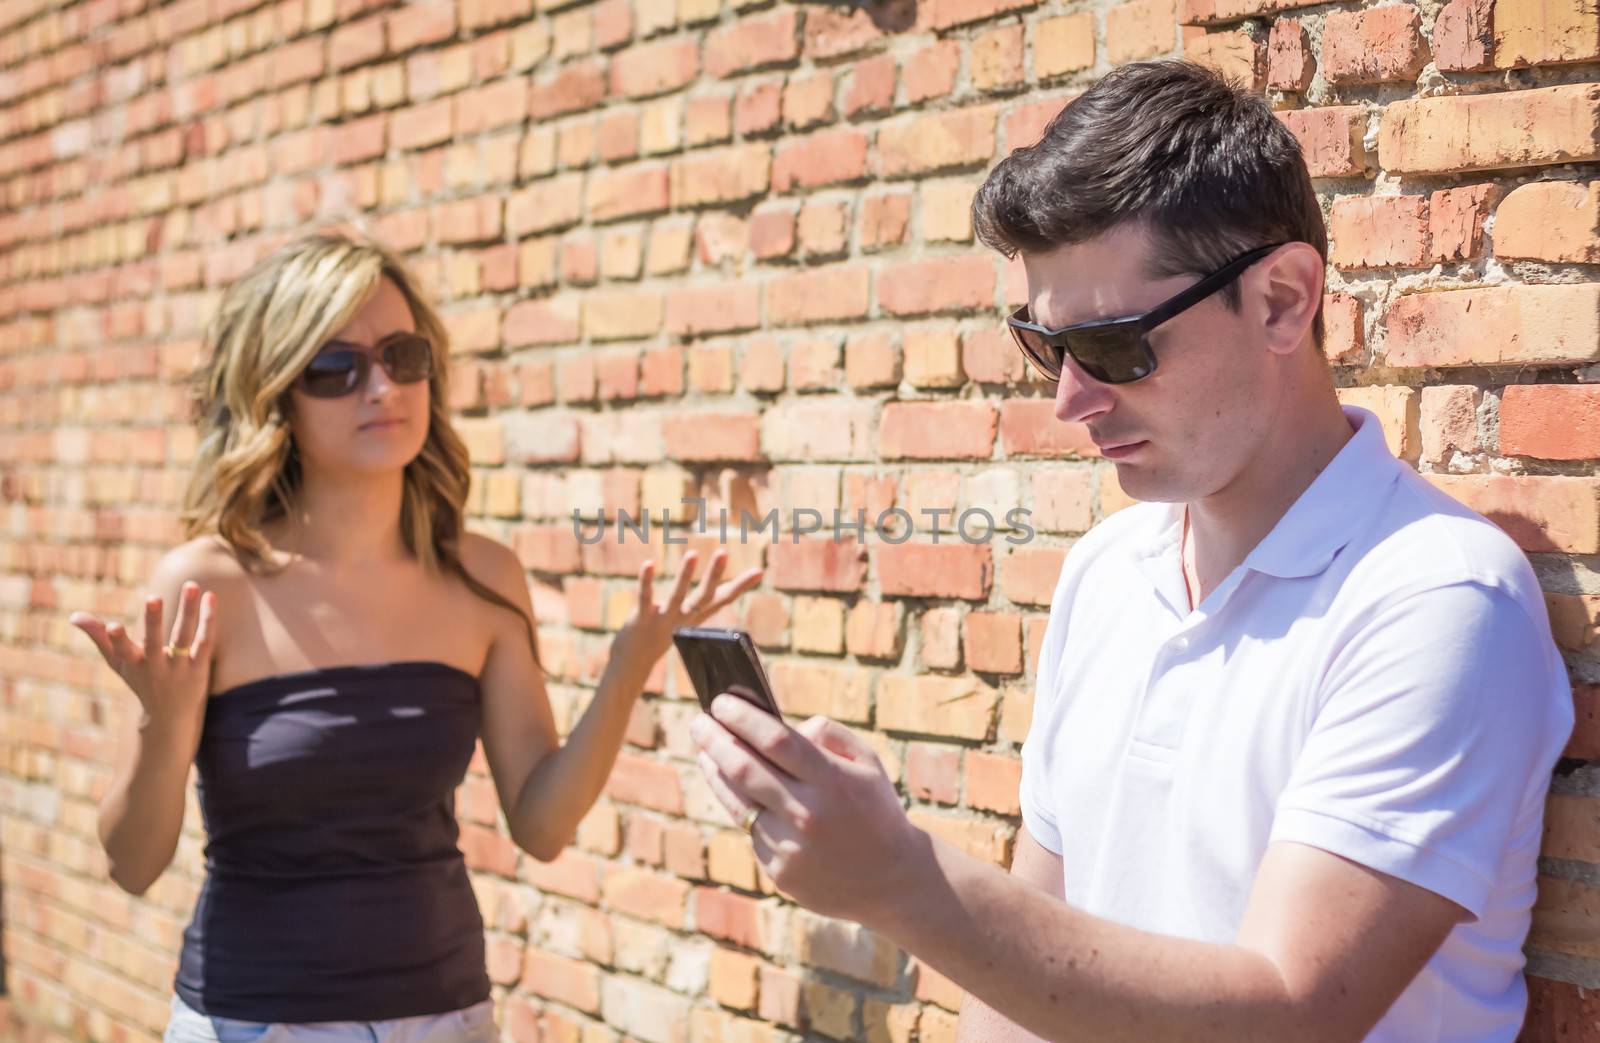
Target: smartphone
[[722, 659]]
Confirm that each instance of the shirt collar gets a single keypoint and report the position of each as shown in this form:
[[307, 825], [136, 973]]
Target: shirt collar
[[1326, 516], [1334, 507]]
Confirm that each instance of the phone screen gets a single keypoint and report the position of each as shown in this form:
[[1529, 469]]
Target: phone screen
[[722, 659]]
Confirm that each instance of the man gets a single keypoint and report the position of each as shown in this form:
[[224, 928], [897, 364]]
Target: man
[[1296, 714]]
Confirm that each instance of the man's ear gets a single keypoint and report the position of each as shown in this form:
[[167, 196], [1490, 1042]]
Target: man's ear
[[1289, 287]]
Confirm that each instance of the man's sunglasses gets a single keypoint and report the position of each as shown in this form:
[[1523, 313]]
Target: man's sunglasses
[[341, 367], [1116, 351]]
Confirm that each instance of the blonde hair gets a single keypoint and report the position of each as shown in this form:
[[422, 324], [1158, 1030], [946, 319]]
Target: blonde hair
[[269, 325]]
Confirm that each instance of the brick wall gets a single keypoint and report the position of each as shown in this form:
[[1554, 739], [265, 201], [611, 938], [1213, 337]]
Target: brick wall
[[721, 248]]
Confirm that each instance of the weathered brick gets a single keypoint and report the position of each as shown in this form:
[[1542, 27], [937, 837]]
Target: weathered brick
[[1331, 138], [1542, 32], [1379, 231], [1290, 63], [937, 430], [1541, 514], [1491, 131], [1502, 324], [1550, 221], [1377, 45], [1551, 421], [936, 141]]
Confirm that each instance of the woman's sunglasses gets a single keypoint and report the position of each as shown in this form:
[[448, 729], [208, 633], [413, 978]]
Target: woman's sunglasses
[[341, 367], [1116, 351]]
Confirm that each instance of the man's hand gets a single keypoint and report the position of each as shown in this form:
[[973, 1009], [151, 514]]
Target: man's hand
[[831, 831]]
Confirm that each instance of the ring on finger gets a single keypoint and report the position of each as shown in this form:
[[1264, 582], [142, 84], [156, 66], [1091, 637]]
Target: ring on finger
[[747, 821], [178, 650]]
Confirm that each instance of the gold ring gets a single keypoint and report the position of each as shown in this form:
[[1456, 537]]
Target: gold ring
[[747, 821], [174, 650]]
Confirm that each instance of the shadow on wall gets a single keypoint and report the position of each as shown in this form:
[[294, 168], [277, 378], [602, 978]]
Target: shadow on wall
[[889, 16]]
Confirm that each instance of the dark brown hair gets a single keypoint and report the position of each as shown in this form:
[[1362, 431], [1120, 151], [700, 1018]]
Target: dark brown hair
[[1197, 159]]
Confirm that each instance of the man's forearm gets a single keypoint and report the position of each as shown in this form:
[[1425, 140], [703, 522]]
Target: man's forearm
[[1066, 975], [980, 1023]]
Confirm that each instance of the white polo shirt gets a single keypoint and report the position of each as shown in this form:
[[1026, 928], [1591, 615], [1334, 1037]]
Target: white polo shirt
[[1377, 679]]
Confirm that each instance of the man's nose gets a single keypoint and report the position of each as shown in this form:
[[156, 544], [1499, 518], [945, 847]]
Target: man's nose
[[1080, 397]]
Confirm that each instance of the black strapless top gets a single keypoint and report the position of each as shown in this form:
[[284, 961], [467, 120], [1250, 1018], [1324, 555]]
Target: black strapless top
[[335, 889]]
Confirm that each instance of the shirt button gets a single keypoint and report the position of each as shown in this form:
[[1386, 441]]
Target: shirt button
[[1181, 644]]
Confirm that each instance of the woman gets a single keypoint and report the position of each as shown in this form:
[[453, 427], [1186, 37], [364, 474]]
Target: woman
[[340, 642]]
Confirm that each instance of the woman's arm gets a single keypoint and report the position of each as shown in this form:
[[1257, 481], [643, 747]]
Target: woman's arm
[[141, 814], [546, 788]]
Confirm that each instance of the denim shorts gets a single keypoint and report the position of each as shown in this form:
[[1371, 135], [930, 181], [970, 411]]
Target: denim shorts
[[474, 1024]]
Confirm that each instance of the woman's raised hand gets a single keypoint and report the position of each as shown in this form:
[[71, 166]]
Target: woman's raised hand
[[169, 678], [648, 633]]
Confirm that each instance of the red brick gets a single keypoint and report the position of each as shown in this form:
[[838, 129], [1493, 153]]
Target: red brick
[[729, 917], [540, 322], [1028, 427], [937, 285], [707, 120], [722, 176], [1028, 574], [772, 232], [1377, 45], [573, 982], [575, 88], [1455, 221], [1063, 45], [836, 33], [753, 43], [629, 192], [1142, 29], [1331, 139], [1463, 36], [356, 43], [943, 14], [655, 68], [1585, 741], [931, 72], [1026, 123], [1491, 131], [833, 157], [1543, 32], [884, 220], [713, 309], [993, 642], [927, 570], [832, 294], [937, 431], [1560, 1012], [1551, 421], [1449, 422], [1212, 12], [713, 436], [1379, 231], [995, 59], [993, 782], [1541, 514], [648, 783], [933, 772], [870, 89], [613, 24], [422, 125], [360, 140], [808, 101], [1235, 54], [1496, 325], [1550, 221], [645, 894], [418, 24], [835, 566], [955, 707], [872, 629], [759, 108], [1290, 64]]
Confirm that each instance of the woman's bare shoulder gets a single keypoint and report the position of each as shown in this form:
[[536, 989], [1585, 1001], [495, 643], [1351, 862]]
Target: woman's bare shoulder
[[207, 559]]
